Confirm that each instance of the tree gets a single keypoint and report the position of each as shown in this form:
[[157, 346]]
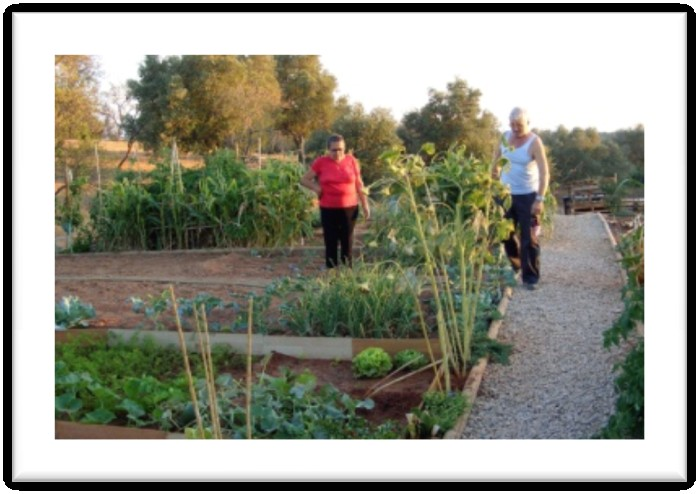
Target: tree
[[116, 107], [451, 118], [77, 108], [307, 96], [77, 111], [204, 101], [260, 97], [207, 102], [368, 136], [152, 94], [585, 154], [631, 143]]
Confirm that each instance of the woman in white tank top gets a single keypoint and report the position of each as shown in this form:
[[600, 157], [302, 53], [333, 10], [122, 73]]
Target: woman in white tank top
[[525, 173]]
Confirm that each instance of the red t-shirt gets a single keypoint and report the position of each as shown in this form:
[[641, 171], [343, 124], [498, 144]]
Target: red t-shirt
[[338, 181]]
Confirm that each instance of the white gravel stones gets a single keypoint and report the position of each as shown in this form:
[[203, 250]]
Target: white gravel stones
[[560, 380]]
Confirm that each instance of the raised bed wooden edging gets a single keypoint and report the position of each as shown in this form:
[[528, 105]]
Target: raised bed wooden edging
[[473, 381], [316, 347]]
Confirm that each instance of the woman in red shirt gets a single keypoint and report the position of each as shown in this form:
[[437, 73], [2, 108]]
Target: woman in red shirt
[[337, 182]]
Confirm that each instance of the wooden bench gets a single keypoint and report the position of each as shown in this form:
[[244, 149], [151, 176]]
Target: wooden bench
[[588, 195], [585, 195]]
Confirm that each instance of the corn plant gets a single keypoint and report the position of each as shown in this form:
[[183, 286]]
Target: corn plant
[[223, 204]]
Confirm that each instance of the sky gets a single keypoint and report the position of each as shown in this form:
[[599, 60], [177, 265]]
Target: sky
[[585, 70], [608, 71]]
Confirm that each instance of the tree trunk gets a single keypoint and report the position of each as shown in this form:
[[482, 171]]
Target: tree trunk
[[128, 151]]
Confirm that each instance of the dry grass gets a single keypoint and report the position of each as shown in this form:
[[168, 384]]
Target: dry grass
[[112, 152]]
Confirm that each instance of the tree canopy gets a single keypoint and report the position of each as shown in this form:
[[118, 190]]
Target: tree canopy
[[585, 153], [451, 118], [367, 136], [77, 98], [77, 105], [307, 96], [203, 101]]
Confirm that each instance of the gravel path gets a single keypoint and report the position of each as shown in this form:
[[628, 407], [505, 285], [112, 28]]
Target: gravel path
[[560, 380]]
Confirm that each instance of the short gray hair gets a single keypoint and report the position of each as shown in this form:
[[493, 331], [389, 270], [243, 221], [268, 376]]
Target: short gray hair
[[335, 138], [519, 113]]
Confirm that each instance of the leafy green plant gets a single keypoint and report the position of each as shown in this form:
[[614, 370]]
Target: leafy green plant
[[632, 259], [616, 193], [156, 306], [68, 212], [288, 406], [438, 414], [411, 359], [627, 422], [628, 419], [117, 379], [371, 362], [142, 384], [71, 312]]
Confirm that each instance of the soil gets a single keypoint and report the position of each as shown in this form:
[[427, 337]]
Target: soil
[[108, 280], [390, 403]]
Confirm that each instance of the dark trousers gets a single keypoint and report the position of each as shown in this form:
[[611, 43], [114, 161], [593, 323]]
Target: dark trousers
[[522, 247], [338, 226]]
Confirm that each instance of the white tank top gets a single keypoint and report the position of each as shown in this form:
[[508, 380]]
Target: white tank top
[[521, 174]]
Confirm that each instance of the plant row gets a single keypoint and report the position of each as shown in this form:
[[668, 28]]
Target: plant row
[[627, 422], [141, 384], [223, 204]]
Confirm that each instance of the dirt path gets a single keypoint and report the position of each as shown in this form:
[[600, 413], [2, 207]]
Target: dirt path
[[560, 382]]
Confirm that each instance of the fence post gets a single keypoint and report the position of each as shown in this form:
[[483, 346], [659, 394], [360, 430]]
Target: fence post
[[99, 178]]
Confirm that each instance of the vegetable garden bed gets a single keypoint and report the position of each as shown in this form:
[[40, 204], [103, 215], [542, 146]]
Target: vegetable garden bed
[[328, 359], [433, 271]]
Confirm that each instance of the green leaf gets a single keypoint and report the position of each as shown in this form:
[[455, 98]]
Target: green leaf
[[68, 403], [428, 148], [367, 404], [133, 409], [99, 416]]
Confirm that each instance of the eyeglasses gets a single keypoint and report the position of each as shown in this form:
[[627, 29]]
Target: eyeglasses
[[340, 150]]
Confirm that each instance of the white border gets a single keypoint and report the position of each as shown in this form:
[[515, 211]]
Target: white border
[[37, 456]]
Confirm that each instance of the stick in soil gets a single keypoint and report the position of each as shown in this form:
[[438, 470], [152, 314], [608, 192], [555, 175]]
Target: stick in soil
[[188, 370], [205, 350], [248, 387], [383, 384]]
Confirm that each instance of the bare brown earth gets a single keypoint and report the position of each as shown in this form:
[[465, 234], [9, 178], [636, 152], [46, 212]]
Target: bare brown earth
[[108, 280]]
